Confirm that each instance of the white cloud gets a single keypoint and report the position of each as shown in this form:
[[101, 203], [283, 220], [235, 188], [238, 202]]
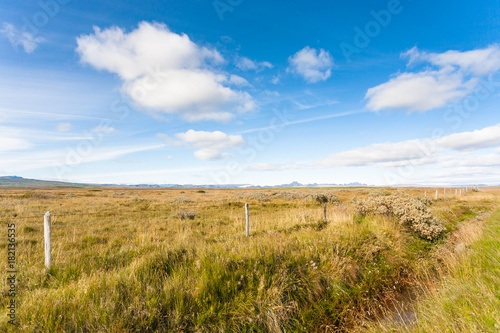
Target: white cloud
[[210, 145], [165, 72], [311, 65], [417, 151], [63, 127], [376, 154], [168, 140], [478, 62], [62, 161], [276, 166], [26, 40], [483, 138], [13, 144], [419, 91], [208, 154], [104, 129], [246, 64], [238, 81], [456, 75]]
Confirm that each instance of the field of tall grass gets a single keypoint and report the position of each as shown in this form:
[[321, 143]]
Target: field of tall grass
[[178, 260]]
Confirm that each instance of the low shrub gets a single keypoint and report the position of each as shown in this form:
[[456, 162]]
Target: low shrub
[[288, 195], [254, 196], [323, 198], [37, 195], [183, 200], [186, 215], [411, 212]]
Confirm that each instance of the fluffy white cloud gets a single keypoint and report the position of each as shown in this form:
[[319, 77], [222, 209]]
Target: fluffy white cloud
[[456, 76], [165, 72], [419, 91], [210, 145], [417, 151], [483, 138], [311, 65], [26, 40], [208, 154], [246, 64]]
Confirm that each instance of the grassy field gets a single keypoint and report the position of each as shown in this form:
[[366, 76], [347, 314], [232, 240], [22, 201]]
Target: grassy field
[[467, 297], [177, 260]]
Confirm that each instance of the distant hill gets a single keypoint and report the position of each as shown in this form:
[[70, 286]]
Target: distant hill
[[14, 181]]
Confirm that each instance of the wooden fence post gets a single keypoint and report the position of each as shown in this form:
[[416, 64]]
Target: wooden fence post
[[46, 234], [444, 193], [436, 194], [324, 213], [247, 222]]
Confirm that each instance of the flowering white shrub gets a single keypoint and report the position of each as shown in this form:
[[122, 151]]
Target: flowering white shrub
[[411, 212]]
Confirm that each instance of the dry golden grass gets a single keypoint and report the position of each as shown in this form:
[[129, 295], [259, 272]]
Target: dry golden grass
[[178, 259]]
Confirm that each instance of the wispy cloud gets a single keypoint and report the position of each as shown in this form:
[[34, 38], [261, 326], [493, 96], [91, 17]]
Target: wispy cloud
[[44, 115], [308, 120], [63, 127], [246, 64], [16, 37], [60, 159], [8, 143]]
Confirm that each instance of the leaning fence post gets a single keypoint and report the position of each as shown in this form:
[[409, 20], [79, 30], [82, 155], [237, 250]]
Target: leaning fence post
[[46, 235], [324, 213], [247, 222]]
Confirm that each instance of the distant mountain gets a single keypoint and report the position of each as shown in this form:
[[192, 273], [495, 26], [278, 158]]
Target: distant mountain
[[297, 184], [292, 184], [14, 181]]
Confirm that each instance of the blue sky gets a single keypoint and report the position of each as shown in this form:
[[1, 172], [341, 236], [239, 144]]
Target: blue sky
[[252, 92]]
